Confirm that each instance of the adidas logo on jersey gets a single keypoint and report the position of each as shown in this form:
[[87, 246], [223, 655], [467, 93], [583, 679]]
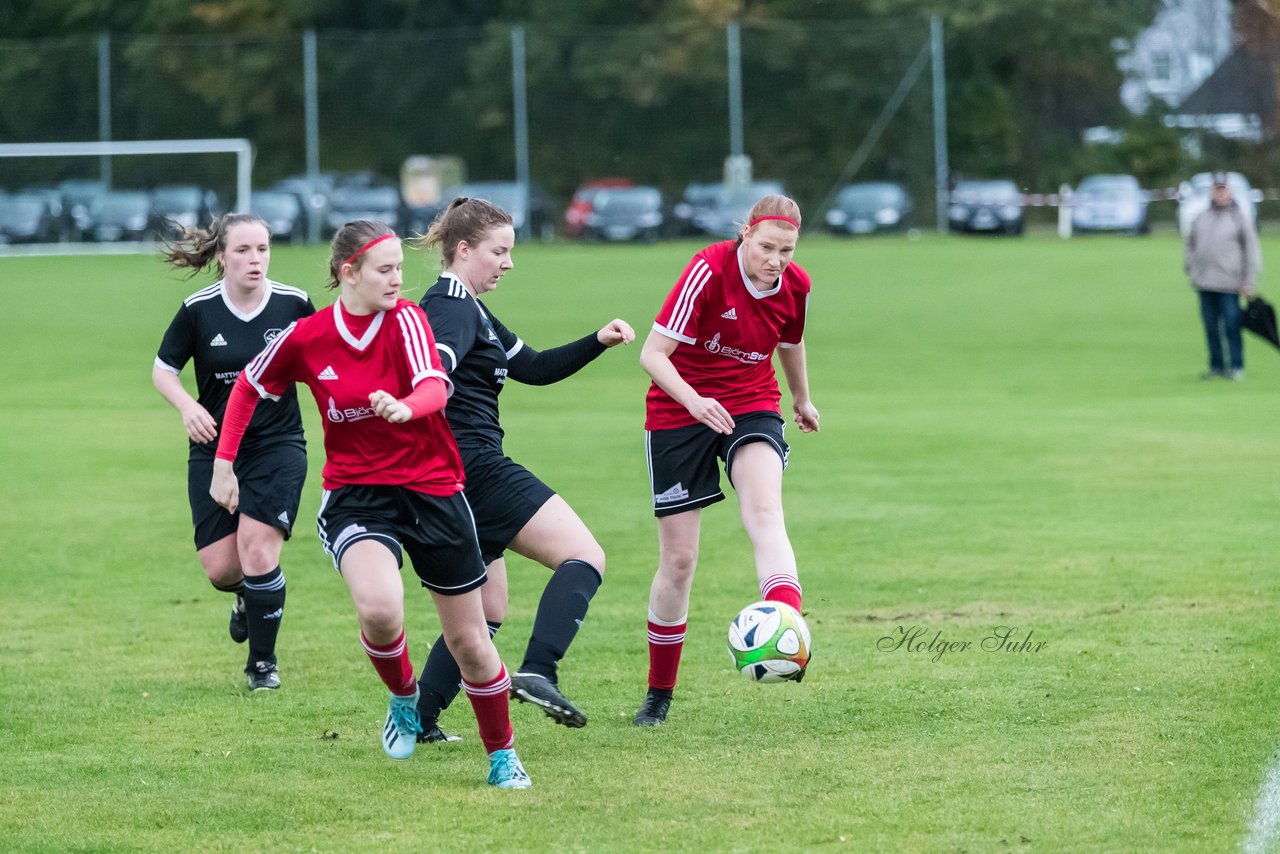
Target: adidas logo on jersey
[[284, 517], [328, 373], [731, 314], [675, 493], [218, 341]]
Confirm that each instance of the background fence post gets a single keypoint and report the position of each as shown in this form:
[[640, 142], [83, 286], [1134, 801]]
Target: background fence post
[[104, 104], [1064, 210], [941, 169], [311, 119], [520, 108]]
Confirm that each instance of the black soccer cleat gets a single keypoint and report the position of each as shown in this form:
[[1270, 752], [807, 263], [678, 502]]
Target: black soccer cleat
[[263, 676], [539, 690], [239, 626], [434, 735], [653, 711]]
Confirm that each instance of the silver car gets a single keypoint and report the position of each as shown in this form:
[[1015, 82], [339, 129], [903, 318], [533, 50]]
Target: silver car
[[1109, 203]]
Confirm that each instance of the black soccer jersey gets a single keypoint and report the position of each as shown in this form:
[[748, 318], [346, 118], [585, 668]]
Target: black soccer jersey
[[474, 348], [479, 354], [222, 339]]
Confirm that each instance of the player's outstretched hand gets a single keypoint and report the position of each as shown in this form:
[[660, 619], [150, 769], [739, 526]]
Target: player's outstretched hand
[[389, 408], [615, 332], [225, 487], [199, 423], [710, 412], [806, 417]]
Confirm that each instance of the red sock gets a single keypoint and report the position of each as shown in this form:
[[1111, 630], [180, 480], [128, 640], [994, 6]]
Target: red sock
[[393, 664], [666, 640], [782, 588], [493, 712]]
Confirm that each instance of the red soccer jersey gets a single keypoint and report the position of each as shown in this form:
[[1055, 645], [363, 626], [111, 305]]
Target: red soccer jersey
[[727, 332], [395, 353]]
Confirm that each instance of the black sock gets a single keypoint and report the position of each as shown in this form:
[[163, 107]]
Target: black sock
[[441, 680], [264, 606], [561, 611]]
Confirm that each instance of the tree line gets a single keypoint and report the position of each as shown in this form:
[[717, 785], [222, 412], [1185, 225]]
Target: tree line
[[635, 89]]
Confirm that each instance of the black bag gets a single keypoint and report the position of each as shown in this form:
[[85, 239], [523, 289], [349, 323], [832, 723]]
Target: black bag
[[1259, 317]]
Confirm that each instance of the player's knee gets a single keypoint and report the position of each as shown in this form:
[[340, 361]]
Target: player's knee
[[470, 648], [679, 564], [594, 555], [259, 550], [222, 574], [380, 617], [763, 517]]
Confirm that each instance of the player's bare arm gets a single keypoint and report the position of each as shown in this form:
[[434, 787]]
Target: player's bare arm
[[655, 358], [793, 367]]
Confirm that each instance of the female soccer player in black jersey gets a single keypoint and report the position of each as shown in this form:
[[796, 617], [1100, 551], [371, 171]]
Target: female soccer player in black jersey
[[513, 508], [221, 327]]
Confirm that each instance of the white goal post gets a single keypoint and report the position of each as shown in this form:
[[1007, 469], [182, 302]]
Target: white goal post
[[241, 148]]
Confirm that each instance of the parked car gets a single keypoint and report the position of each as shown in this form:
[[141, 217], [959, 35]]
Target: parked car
[[314, 195], [284, 214], [377, 201], [693, 204], [580, 206], [729, 209], [121, 215], [78, 196], [1109, 203], [631, 213], [178, 207], [64, 225], [533, 208], [1193, 198], [993, 206], [27, 218], [868, 207]]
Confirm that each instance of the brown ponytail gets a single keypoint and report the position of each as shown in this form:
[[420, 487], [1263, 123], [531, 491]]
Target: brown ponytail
[[464, 219], [197, 248]]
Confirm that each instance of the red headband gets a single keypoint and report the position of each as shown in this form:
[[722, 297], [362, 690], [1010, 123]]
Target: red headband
[[760, 219], [363, 249]]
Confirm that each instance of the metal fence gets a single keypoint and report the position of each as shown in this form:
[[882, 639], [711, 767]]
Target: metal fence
[[651, 103]]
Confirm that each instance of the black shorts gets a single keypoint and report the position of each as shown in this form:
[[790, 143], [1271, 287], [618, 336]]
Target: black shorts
[[683, 471], [271, 482], [503, 495], [436, 531]]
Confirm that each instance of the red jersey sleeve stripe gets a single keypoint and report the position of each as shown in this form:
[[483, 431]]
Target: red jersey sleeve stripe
[[418, 343], [693, 285], [415, 340], [256, 368]]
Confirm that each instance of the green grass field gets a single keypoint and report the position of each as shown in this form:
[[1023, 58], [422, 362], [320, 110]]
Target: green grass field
[[1013, 435]]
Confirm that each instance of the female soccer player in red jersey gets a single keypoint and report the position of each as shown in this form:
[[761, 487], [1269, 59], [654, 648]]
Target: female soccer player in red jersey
[[392, 479], [221, 328], [715, 396], [513, 508]]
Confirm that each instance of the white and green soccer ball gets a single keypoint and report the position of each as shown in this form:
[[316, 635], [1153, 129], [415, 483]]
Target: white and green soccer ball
[[769, 642]]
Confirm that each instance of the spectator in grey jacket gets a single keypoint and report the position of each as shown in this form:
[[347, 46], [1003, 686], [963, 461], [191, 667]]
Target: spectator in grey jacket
[[1222, 259]]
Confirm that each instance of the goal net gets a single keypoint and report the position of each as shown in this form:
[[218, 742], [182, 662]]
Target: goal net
[[113, 197]]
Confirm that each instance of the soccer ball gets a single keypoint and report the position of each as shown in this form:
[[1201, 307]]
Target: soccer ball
[[769, 642]]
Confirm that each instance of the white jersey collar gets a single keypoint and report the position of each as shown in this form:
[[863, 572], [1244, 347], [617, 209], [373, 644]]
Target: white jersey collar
[[363, 341], [231, 307]]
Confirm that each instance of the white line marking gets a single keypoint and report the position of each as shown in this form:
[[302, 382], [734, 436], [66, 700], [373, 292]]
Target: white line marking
[[1264, 830]]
